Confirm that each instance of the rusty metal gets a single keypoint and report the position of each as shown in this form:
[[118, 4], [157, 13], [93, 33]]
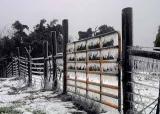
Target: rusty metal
[[101, 73]]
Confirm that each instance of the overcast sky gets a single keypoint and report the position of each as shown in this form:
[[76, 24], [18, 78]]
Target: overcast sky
[[83, 14]]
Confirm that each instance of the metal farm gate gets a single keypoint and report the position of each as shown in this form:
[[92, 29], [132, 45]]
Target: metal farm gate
[[93, 69]]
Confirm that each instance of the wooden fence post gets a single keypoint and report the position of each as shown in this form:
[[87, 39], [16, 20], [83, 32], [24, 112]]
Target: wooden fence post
[[54, 52], [12, 67], [6, 69], [2, 69], [65, 41], [45, 52], [126, 42], [19, 73], [29, 68]]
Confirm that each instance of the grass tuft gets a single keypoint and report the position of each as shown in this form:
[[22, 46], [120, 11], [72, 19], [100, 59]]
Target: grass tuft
[[38, 112], [9, 110]]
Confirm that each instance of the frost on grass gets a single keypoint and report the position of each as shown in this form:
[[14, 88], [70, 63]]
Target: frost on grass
[[17, 98], [9, 110]]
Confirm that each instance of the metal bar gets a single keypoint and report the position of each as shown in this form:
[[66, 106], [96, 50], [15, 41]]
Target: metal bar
[[146, 54], [95, 37]]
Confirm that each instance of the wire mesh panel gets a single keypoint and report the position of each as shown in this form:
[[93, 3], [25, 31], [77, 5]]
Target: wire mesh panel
[[93, 69], [145, 81]]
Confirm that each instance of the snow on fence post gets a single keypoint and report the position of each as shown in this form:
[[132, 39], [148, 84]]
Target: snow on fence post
[[54, 52], [6, 69], [0, 70], [3, 69], [12, 67], [65, 41], [126, 41], [18, 62], [29, 68], [45, 52]]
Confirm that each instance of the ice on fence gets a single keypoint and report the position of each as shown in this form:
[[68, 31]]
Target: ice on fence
[[71, 75], [111, 54], [145, 81], [81, 66], [81, 56], [79, 46], [94, 78], [81, 76], [93, 43], [70, 47], [110, 80], [110, 68], [110, 40], [94, 55]]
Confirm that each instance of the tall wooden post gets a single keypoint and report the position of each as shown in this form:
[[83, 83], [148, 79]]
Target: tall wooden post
[[126, 42], [2, 69], [29, 68], [45, 52], [65, 41], [6, 69], [54, 52], [12, 67], [19, 73]]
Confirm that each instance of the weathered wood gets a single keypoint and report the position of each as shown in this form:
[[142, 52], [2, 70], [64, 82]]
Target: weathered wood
[[19, 72], [6, 69], [45, 52], [3, 69], [65, 41], [12, 67], [54, 52], [126, 41], [29, 68]]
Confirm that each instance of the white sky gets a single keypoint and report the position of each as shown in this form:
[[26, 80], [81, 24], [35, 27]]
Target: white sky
[[83, 14]]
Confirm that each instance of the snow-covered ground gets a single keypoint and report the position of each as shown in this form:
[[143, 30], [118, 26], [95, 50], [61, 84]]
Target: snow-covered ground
[[14, 93]]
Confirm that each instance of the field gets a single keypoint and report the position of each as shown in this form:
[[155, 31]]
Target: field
[[16, 98]]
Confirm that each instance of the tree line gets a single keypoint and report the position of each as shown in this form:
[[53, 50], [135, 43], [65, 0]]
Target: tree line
[[41, 32]]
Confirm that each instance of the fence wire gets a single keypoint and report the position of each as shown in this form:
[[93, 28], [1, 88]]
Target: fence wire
[[145, 82]]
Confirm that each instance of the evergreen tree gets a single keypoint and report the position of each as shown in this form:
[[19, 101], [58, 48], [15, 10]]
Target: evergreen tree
[[157, 41]]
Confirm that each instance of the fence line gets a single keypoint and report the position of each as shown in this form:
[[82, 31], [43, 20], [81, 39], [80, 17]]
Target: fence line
[[93, 68]]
